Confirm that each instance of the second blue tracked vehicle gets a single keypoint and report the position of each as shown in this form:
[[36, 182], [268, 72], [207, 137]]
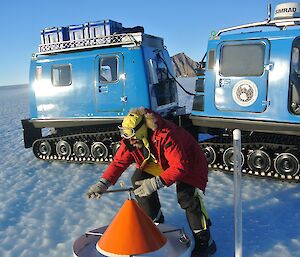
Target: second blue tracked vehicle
[[252, 82]]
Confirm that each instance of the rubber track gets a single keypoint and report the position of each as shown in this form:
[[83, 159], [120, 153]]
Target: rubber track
[[283, 144], [109, 138]]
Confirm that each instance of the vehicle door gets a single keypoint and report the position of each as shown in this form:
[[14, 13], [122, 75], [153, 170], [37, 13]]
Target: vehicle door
[[242, 77], [110, 83]]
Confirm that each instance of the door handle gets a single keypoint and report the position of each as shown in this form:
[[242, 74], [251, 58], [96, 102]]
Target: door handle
[[269, 66]]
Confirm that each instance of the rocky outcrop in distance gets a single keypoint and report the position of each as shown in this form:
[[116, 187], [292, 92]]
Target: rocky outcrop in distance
[[184, 66]]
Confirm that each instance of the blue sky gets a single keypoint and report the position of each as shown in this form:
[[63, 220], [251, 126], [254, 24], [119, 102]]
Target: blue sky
[[185, 25]]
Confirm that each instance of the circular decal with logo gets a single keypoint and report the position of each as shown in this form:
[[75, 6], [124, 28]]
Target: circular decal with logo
[[245, 92]]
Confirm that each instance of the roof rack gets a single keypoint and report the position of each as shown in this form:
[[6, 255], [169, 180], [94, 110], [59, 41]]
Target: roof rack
[[134, 39], [279, 23]]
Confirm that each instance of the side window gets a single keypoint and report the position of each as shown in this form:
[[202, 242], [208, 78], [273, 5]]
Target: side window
[[165, 88], [294, 92], [211, 59], [242, 60], [108, 69], [295, 69], [61, 75]]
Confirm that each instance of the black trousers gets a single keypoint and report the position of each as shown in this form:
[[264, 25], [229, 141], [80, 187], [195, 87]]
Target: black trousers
[[185, 196]]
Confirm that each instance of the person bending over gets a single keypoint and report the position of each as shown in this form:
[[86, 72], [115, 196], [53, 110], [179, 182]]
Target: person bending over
[[164, 154]]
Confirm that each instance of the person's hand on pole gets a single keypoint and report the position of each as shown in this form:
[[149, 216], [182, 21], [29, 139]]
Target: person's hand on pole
[[148, 186], [96, 190]]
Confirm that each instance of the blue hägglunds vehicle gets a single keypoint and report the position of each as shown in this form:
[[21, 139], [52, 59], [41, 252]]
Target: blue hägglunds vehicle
[[83, 81], [86, 77], [252, 82]]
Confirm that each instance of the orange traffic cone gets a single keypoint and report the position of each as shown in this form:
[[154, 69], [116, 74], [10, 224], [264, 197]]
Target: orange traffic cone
[[131, 232]]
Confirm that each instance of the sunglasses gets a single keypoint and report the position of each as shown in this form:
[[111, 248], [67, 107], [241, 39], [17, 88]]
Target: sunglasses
[[126, 133]]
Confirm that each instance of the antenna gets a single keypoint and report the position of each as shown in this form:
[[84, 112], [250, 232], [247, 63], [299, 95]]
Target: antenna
[[269, 10]]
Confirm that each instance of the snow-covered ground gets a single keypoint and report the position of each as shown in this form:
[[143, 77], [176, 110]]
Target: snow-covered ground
[[43, 208]]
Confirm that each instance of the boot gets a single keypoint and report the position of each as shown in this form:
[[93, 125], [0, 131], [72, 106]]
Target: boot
[[205, 246]]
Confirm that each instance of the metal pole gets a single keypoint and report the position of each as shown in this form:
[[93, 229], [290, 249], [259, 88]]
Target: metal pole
[[118, 190], [238, 234]]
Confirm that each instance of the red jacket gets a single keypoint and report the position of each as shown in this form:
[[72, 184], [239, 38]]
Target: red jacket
[[177, 152]]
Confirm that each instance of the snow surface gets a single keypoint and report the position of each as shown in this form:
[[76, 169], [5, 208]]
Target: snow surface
[[43, 208]]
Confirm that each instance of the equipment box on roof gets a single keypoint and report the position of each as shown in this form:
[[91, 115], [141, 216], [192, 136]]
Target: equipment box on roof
[[102, 28], [54, 35], [76, 32]]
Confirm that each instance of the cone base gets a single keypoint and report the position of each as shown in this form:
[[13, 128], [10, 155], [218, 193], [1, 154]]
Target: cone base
[[85, 246]]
